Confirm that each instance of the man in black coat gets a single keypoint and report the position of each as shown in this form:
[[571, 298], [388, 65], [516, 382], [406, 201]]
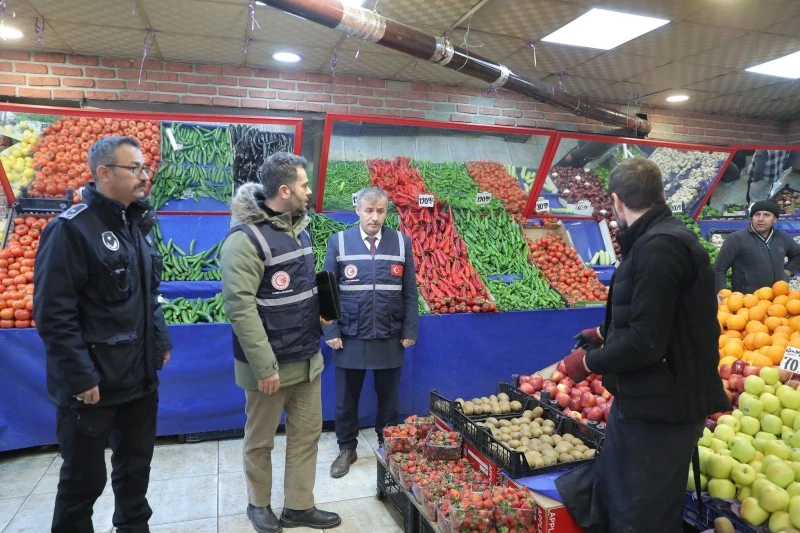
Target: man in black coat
[[757, 254], [98, 314], [659, 359]]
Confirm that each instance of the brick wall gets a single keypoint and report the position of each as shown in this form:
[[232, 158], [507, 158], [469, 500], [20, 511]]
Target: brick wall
[[49, 76]]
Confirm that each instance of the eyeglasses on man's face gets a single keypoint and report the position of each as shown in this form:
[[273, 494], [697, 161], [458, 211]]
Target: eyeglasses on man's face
[[136, 170]]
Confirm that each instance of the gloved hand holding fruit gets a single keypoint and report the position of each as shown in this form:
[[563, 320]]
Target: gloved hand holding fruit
[[575, 364]]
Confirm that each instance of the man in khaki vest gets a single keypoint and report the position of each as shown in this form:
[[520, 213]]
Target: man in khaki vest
[[270, 296]]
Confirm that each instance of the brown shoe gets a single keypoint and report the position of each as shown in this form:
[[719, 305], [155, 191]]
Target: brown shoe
[[341, 466]]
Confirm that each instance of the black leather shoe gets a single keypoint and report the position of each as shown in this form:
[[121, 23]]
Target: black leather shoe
[[341, 466], [313, 518], [263, 519]]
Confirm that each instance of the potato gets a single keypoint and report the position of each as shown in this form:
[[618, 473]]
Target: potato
[[581, 447], [503, 397], [525, 440], [526, 433], [538, 411], [549, 460], [493, 398], [588, 454], [496, 409], [557, 438], [505, 408], [515, 422], [547, 439], [563, 447], [548, 430], [516, 406], [504, 423], [469, 408], [477, 410], [565, 458], [536, 432], [484, 399], [528, 414], [549, 423], [577, 455], [539, 420]]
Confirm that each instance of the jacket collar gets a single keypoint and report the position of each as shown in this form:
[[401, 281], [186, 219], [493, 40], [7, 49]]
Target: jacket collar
[[248, 207], [114, 213], [653, 215], [757, 235]]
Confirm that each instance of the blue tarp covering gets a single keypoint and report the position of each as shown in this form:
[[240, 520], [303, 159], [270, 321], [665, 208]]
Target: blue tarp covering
[[460, 355]]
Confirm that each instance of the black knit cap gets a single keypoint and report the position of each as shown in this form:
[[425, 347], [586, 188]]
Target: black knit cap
[[765, 205]]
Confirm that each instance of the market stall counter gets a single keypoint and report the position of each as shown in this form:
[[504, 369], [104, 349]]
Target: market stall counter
[[458, 354]]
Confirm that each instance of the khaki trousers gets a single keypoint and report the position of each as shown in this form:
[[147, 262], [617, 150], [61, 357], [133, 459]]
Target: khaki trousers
[[303, 405]]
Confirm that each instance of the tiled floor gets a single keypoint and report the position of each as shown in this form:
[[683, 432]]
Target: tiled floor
[[199, 488]]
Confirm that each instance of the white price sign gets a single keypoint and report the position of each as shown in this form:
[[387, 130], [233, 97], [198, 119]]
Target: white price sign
[[355, 199], [542, 205], [791, 359], [584, 208], [677, 207], [174, 143], [425, 200], [483, 198]]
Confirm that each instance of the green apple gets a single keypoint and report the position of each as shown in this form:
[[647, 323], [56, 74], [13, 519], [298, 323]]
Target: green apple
[[786, 434], [751, 405], [794, 511], [769, 374], [705, 440], [742, 451], [752, 512], [737, 413], [770, 424], [768, 388], [704, 454], [768, 460], [723, 488], [725, 451], [793, 489], [794, 442], [795, 455], [779, 521], [753, 385], [744, 475], [788, 415], [777, 448], [756, 464], [720, 466], [771, 403], [749, 425], [781, 387], [772, 498], [703, 481], [780, 474], [718, 444], [725, 432], [742, 493], [796, 425], [729, 420], [789, 398], [796, 467], [760, 482]]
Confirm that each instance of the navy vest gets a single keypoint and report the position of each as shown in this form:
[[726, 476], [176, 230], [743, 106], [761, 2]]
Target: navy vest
[[287, 297], [371, 288]]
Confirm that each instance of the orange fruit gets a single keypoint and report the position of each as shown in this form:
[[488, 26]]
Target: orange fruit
[[748, 356], [775, 354], [780, 300], [794, 342], [755, 326], [783, 330], [757, 313], [732, 333], [764, 304], [764, 293], [761, 360], [772, 322], [779, 340], [780, 288], [760, 340], [777, 310], [793, 294], [723, 309], [750, 300], [745, 312], [793, 306], [748, 341], [737, 323], [794, 323], [735, 302], [724, 293], [734, 348], [727, 360]]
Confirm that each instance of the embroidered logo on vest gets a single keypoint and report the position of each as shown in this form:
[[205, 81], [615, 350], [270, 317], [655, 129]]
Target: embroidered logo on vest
[[350, 271], [280, 280]]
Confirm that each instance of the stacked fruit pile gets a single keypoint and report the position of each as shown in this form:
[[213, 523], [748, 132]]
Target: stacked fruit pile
[[493, 177], [563, 268], [757, 328], [17, 159], [752, 453]]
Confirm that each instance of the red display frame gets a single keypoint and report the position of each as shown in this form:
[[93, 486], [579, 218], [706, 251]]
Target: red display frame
[[330, 118], [151, 115], [611, 139]]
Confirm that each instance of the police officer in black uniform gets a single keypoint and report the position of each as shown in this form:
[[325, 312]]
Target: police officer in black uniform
[[97, 312]]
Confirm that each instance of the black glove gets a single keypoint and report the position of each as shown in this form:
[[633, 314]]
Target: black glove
[[589, 339]]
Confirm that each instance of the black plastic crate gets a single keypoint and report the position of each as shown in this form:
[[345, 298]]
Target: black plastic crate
[[41, 204], [514, 394], [440, 406], [399, 498]]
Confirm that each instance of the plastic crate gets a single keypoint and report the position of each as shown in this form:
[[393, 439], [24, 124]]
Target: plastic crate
[[399, 498], [42, 204], [440, 406], [443, 452]]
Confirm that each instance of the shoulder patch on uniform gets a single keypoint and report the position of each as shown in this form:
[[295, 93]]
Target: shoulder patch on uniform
[[73, 211]]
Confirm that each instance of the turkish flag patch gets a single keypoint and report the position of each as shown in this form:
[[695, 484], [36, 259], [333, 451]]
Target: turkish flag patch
[[397, 270]]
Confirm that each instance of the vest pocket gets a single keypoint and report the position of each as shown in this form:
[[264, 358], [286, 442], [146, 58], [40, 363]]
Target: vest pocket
[[286, 326], [118, 357], [156, 268], [117, 282], [396, 314], [348, 325]]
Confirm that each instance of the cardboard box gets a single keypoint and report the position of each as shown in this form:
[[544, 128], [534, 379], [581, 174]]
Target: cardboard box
[[553, 517], [535, 233]]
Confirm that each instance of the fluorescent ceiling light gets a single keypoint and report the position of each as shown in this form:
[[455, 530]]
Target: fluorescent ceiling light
[[356, 3], [7, 32], [785, 67], [286, 57], [678, 98], [604, 29]]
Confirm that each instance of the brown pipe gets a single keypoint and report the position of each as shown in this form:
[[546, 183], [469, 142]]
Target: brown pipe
[[370, 26]]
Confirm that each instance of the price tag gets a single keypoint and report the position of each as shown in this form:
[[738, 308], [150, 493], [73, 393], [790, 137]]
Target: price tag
[[426, 200], [175, 144], [542, 205], [355, 199], [584, 208], [791, 359], [677, 207], [483, 198]]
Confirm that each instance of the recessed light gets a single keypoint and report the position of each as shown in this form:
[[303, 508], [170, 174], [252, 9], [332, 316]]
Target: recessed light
[[678, 98], [286, 57], [7, 32], [604, 29], [785, 67]]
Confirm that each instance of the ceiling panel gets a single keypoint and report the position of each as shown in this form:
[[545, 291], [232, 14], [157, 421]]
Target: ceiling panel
[[668, 9], [259, 54], [747, 51], [525, 19], [279, 26], [679, 39], [735, 82], [29, 41], [742, 105], [789, 26], [617, 66], [373, 65], [747, 15], [19, 9], [660, 98], [119, 14], [490, 45], [549, 58], [204, 18], [776, 92], [88, 39], [440, 14], [201, 49], [677, 74]]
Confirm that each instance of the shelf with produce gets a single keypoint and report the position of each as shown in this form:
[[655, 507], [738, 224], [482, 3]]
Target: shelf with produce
[[20, 133]]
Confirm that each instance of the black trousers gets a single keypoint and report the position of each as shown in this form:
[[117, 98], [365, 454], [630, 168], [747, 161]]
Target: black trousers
[[83, 432], [348, 392]]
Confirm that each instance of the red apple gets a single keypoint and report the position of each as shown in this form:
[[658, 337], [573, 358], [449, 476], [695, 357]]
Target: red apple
[[606, 394], [735, 398], [562, 399], [729, 394], [711, 424], [563, 386], [562, 367], [556, 376], [582, 384], [537, 381], [725, 371], [524, 379], [527, 388], [793, 383], [551, 390], [784, 375], [595, 413], [575, 392], [600, 401], [736, 383], [738, 367], [750, 370], [574, 404], [575, 414], [597, 386], [588, 399]]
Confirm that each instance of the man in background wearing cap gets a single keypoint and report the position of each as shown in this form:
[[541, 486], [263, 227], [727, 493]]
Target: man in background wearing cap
[[758, 253]]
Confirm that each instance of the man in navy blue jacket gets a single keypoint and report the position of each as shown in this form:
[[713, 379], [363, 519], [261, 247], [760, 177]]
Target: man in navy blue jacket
[[378, 294]]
